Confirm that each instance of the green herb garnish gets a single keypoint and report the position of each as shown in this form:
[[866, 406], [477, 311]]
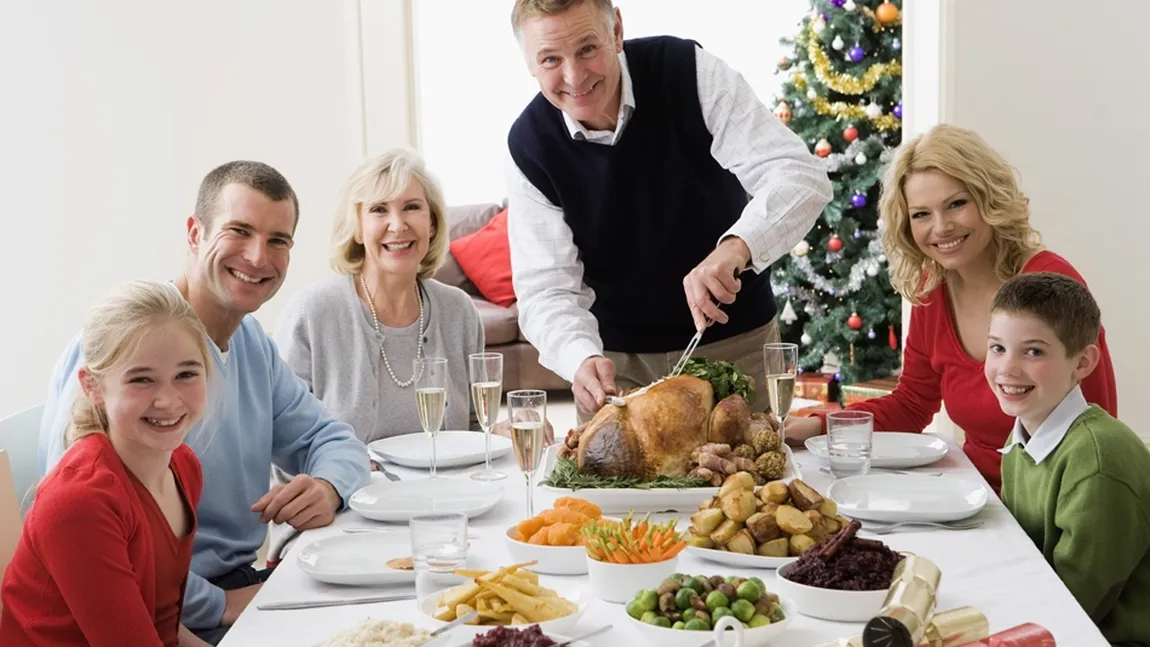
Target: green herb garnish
[[725, 378], [566, 475]]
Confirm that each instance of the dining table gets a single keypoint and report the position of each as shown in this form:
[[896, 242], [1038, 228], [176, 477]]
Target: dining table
[[995, 568]]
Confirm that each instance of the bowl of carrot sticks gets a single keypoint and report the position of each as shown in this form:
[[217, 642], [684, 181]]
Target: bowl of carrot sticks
[[625, 555]]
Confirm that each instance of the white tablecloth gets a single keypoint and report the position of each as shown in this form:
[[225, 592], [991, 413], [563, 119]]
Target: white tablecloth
[[995, 568]]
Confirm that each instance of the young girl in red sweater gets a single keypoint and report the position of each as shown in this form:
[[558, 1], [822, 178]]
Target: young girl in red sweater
[[105, 549], [957, 226]]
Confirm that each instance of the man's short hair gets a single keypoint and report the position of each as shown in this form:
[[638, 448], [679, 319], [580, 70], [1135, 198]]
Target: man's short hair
[[254, 175], [525, 10], [1060, 302]]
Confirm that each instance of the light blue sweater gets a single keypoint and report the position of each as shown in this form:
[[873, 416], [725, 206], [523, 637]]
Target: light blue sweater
[[260, 414]]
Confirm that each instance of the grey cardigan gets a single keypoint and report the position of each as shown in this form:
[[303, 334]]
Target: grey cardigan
[[326, 335]]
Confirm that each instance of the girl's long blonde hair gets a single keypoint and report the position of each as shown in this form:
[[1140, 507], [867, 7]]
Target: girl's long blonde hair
[[992, 184], [112, 332]]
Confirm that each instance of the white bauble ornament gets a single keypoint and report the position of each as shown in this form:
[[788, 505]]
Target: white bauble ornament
[[872, 271], [873, 110], [882, 258], [860, 159], [818, 26], [849, 5], [802, 248], [811, 94], [838, 43], [806, 339]]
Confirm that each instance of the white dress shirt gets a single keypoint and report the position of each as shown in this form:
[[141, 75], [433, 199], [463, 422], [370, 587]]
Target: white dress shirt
[[789, 186], [1044, 440]]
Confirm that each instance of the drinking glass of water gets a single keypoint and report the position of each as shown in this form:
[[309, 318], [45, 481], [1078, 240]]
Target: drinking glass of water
[[438, 547], [528, 412], [486, 370], [849, 438], [781, 362], [431, 397]]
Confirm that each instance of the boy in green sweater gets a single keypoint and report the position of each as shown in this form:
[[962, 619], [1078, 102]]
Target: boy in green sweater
[[1076, 479]]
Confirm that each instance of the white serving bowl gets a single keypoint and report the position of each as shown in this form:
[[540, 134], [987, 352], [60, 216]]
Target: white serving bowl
[[757, 637], [559, 625], [552, 560], [830, 604], [465, 641], [619, 582]]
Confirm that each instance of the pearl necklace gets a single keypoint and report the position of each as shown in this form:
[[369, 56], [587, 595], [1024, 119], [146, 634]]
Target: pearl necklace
[[418, 340]]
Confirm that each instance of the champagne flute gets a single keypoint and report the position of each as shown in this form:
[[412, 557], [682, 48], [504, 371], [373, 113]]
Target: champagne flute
[[486, 371], [431, 397], [781, 362], [528, 412]]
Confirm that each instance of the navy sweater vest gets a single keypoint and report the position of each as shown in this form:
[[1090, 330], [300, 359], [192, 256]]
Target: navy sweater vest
[[647, 210]]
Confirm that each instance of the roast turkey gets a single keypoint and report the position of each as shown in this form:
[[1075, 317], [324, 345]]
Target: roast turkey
[[657, 428]]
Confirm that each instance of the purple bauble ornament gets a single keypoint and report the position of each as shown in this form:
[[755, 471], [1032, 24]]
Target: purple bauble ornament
[[897, 44], [897, 111], [858, 200], [858, 234], [856, 54], [838, 3]]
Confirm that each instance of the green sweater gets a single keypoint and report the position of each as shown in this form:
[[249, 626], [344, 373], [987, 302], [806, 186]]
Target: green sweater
[[1087, 507]]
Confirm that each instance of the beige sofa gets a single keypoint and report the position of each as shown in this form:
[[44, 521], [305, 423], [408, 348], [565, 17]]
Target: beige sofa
[[521, 367]]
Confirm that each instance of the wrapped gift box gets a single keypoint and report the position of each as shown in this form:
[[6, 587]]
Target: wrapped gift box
[[814, 386], [860, 391]]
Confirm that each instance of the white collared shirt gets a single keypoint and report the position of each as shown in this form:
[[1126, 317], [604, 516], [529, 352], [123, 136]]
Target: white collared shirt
[[790, 188], [1050, 433]]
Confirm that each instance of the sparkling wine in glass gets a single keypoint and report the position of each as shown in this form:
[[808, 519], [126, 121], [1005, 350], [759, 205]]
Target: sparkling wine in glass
[[486, 372], [528, 412], [431, 397], [781, 362]]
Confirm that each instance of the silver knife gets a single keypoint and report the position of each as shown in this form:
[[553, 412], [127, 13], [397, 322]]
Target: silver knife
[[315, 604]]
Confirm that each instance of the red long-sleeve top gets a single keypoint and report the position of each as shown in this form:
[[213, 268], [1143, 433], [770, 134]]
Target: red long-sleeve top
[[97, 563], [936, 368]]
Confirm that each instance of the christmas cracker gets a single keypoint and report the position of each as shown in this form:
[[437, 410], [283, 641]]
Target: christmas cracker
[[909, 605], [1027, 635]]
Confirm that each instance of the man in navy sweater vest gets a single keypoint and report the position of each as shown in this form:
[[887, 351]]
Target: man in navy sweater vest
[[648, 190]]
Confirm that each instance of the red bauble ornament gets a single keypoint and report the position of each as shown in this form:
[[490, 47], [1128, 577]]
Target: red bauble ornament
[[886, 13], [850, 133], [823, 148], [893, 340], [835, 244], [854, 322]]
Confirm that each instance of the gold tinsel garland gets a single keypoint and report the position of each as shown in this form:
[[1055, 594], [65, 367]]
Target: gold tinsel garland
[[839, 109], [845, 83]]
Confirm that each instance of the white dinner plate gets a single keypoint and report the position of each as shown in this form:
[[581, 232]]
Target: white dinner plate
[[623, 500], [400, 500], [738, 560], [357, 560], [452, 449], [892, 449], [907, 497]]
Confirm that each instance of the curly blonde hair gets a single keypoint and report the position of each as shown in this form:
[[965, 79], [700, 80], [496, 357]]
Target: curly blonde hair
[[379, 179], [993, 186]]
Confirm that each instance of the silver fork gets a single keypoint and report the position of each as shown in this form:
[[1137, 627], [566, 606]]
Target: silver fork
[[886, 529], [827, 470]]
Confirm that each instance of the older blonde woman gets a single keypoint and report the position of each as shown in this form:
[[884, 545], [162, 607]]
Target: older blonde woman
[[957, 227], [353, 337]]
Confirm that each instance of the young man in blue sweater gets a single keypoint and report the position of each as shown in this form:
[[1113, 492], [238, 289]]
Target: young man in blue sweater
[[1076, 479], [239, 244]]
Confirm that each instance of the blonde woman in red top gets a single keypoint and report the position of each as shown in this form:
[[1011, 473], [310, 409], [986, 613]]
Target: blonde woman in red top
[[105, 549], [957, 226]]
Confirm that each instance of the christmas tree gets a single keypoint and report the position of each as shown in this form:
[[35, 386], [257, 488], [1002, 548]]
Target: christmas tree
[[843, 96]]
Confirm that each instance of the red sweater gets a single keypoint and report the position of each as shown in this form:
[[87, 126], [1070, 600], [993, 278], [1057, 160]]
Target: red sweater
[[936, 368], [86, 570]]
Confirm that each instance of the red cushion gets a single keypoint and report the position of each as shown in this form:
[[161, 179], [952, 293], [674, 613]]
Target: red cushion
[[485, 257]]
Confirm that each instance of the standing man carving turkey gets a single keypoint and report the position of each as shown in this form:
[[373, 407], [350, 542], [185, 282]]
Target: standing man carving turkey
[[628, 184]]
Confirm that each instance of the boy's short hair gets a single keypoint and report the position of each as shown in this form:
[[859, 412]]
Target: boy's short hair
[[1060, 302]]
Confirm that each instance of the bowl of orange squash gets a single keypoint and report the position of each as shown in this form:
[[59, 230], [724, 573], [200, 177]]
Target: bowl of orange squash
[[553, 538]]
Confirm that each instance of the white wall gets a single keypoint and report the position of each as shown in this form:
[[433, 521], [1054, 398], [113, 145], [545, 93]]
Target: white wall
[[1062, 97], [113, 111], [473, 82]]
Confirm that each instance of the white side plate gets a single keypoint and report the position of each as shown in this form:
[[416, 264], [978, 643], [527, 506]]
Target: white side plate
[[452, 449], [907, 497], [623, 500], [892, 449], [399, 500], [357, 560]]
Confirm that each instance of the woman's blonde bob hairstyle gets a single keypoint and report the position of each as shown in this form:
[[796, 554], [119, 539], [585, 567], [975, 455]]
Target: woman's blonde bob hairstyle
[[993, 186], [113, 331], [379, 179]]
